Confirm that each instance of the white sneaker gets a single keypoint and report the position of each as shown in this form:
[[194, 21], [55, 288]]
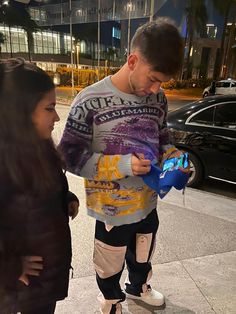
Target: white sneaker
[[149, 296]]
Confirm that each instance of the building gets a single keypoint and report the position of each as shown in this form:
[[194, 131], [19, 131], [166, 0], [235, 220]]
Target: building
[[101, 35]]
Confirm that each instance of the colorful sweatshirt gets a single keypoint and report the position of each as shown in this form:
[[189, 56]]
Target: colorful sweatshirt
[[105, 126]]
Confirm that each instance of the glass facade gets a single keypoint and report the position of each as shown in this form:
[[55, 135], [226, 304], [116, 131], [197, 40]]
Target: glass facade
[[86, 11], [45, 42], [15, 39]]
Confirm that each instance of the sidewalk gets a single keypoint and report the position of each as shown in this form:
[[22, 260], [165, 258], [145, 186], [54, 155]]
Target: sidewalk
[[185, 93], [64, 94], [194, 264]]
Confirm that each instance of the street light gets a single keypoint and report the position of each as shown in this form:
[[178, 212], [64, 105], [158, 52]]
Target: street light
[[71, 53], [77, 58], [99, 24], [129, 8], [77, 53], [114, 10], [151, 11]]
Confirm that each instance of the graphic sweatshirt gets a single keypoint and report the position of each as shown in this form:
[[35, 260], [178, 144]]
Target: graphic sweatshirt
[[104, 128]]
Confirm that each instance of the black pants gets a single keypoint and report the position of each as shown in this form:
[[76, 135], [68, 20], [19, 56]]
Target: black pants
[[133, 243], [48, 309]]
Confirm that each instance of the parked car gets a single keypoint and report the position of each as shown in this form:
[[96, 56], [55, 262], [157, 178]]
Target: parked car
[[223, 87], [206, 129]]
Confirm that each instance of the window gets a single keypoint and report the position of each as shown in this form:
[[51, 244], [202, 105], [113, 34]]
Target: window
[[223, 84], [115, 32], [83, 46], [38, 14], [225, 115], [226, 84], [204, 117], [211, 31]]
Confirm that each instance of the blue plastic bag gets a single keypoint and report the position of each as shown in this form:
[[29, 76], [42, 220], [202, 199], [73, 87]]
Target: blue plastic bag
[[162, 180]]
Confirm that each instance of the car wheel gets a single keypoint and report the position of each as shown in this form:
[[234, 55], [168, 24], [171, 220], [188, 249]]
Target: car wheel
[[197, 173], [205, 94]]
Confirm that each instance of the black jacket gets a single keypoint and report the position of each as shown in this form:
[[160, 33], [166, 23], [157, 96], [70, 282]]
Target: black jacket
[[32, 225]]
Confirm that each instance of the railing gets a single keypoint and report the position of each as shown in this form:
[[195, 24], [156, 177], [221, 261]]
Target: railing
[[86, 11]]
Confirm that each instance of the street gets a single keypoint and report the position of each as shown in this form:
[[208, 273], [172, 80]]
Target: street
[[175, 102]]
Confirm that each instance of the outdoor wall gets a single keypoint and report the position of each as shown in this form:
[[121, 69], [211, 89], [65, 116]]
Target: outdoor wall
[[198, 61]]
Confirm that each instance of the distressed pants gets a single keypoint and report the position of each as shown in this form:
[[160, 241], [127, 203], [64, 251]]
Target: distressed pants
[[133, 244]]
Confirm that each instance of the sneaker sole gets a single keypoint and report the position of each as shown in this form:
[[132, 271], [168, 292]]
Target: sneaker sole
[[134, 297]]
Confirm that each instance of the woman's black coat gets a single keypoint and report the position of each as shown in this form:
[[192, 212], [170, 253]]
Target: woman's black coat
[[31, 225]]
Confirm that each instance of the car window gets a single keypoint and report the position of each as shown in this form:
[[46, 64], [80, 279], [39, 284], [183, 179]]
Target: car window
[[225, 115], [204, 117], [225, 84], [233, 84]]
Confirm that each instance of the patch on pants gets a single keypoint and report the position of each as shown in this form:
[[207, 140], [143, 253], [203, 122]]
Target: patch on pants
[[143, 245], [108, 260]]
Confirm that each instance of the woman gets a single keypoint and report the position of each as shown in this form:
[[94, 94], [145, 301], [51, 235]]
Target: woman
[[35, 241]]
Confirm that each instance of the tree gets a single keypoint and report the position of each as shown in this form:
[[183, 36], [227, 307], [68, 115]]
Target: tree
[[224, 7], [196, 16], [2, 41], [16, 14], [30, 27]]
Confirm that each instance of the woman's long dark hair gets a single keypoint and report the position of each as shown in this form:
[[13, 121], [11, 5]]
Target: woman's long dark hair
[[27, 162]]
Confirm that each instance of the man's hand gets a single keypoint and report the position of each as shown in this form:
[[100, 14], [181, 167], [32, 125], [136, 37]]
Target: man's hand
[[31, 265], [73, 209], [140, 166]]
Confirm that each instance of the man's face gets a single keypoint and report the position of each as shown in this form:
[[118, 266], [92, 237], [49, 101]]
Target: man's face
[[143, 80]]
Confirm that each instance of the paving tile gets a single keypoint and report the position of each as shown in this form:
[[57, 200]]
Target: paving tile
[[215, 276], [182, 294]]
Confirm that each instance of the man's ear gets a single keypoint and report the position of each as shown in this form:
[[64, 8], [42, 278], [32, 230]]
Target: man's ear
[[132, 61]]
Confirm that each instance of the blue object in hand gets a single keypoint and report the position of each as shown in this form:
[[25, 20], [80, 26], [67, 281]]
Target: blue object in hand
[[162, 180]]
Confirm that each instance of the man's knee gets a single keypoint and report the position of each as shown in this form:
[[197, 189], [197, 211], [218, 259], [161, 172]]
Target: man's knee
[[108, 260]]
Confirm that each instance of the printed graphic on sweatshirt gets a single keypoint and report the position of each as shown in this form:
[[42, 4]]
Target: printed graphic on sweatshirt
[[104, 127], [87, 107], [121, 113], [122, 128], [119, 202], [108, 168]]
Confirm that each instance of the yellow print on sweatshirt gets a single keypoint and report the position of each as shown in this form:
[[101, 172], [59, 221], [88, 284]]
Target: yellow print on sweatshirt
[[131, 200], [101, 185], [108, 168]]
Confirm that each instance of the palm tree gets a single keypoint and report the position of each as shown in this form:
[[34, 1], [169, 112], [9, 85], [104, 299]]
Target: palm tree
[[196, 15], [16, 14], [224, 7], [2, 41], [30, 27]]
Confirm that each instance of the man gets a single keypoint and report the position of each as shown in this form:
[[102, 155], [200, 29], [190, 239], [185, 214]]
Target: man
[[115, 129], [212, 89]]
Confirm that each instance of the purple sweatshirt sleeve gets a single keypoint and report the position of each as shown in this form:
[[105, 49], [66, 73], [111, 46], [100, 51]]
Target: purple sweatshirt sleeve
[[76, 149]]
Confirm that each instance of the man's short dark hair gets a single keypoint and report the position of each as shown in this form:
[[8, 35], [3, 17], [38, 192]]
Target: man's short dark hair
[[160, 44]]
